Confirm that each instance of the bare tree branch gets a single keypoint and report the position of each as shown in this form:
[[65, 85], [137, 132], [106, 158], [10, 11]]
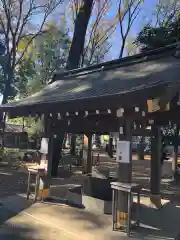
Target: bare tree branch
[[16, 24], [165, 12], [94, 30], [99, 33], [128, 14]]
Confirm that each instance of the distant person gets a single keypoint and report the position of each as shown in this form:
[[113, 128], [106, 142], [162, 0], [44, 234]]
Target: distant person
[[164, 152], [107, 147]]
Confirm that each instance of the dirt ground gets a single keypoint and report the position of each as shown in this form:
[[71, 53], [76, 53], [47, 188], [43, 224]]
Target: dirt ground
[[13, 179]]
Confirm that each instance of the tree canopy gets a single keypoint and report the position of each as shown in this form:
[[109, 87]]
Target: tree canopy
[[17, 23], [154, 37], [165, 30]]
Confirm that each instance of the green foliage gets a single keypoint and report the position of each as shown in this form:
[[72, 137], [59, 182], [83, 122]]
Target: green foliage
[[47, 53], [164, 29], [51, 50], [154, 37], [17, 121], [25, 73], [35, 127], [18, 31]]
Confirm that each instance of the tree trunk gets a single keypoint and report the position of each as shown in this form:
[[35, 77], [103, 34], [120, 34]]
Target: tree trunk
[[77, 45], [75, 53], [8, 77], [80, 27], [6, 93]]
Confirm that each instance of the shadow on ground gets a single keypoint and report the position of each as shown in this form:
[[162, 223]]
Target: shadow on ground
[[156, 224], [9, 232], [161, 223], [12, 180]]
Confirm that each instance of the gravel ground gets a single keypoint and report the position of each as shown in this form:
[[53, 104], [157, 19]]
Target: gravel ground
[[13, 180], [22, 227]]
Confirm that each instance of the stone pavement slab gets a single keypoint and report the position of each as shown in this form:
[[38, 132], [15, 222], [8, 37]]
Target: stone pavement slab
[[58, 221], [23, 227], [53, 222]]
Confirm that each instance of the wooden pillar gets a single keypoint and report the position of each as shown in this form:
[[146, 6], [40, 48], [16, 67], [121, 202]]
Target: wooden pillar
[[124, 173], [155, 178], [60, 128], [175, 157], [46, 159], [87, 153], [110, 146], [49, 158], [73, 144], [58, 142]]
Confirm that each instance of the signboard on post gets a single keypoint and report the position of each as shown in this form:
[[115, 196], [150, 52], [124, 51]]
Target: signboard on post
[[44, 152], [123, 152], [44, 145]]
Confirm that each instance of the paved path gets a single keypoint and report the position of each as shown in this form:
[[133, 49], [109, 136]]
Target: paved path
[[61, 222], [22, 221], [17, 224], [52, 222], [24, 227]]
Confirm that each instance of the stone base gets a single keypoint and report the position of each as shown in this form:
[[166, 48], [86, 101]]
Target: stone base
[[44, 193], [155, 201], [122, 219], [91, 203]]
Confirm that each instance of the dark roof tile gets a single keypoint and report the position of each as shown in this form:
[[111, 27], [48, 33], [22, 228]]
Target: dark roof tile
[[105, 82]]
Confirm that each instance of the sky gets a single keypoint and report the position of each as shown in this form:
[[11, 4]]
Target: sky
[[144, 17]]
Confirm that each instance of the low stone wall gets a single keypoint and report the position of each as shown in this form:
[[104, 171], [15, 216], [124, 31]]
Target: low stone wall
[[75, 197], [97, 188]]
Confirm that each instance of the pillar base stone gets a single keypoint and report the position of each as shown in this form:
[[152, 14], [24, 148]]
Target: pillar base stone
[[122, 219], [155, 201]]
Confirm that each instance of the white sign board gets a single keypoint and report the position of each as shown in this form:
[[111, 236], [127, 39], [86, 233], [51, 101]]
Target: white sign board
[[43, 164], [44, 146], [123, 152]]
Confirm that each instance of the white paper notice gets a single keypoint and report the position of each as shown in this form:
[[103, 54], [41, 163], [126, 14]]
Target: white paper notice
[[44, 145], [43, 164], [123, 152]]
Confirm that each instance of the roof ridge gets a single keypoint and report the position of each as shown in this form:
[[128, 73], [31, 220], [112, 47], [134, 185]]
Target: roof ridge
[[145, 56]]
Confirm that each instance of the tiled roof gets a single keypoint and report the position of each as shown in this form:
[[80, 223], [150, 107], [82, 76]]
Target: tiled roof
[[119, 77], [15, 128]]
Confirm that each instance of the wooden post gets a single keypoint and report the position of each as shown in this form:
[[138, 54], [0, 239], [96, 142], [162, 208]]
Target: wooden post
[[175, 157], [124, 172], [87, 153], [155, 178], [45, 180], [58, 142], [110, 146], [47, 158], [73, 144]]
